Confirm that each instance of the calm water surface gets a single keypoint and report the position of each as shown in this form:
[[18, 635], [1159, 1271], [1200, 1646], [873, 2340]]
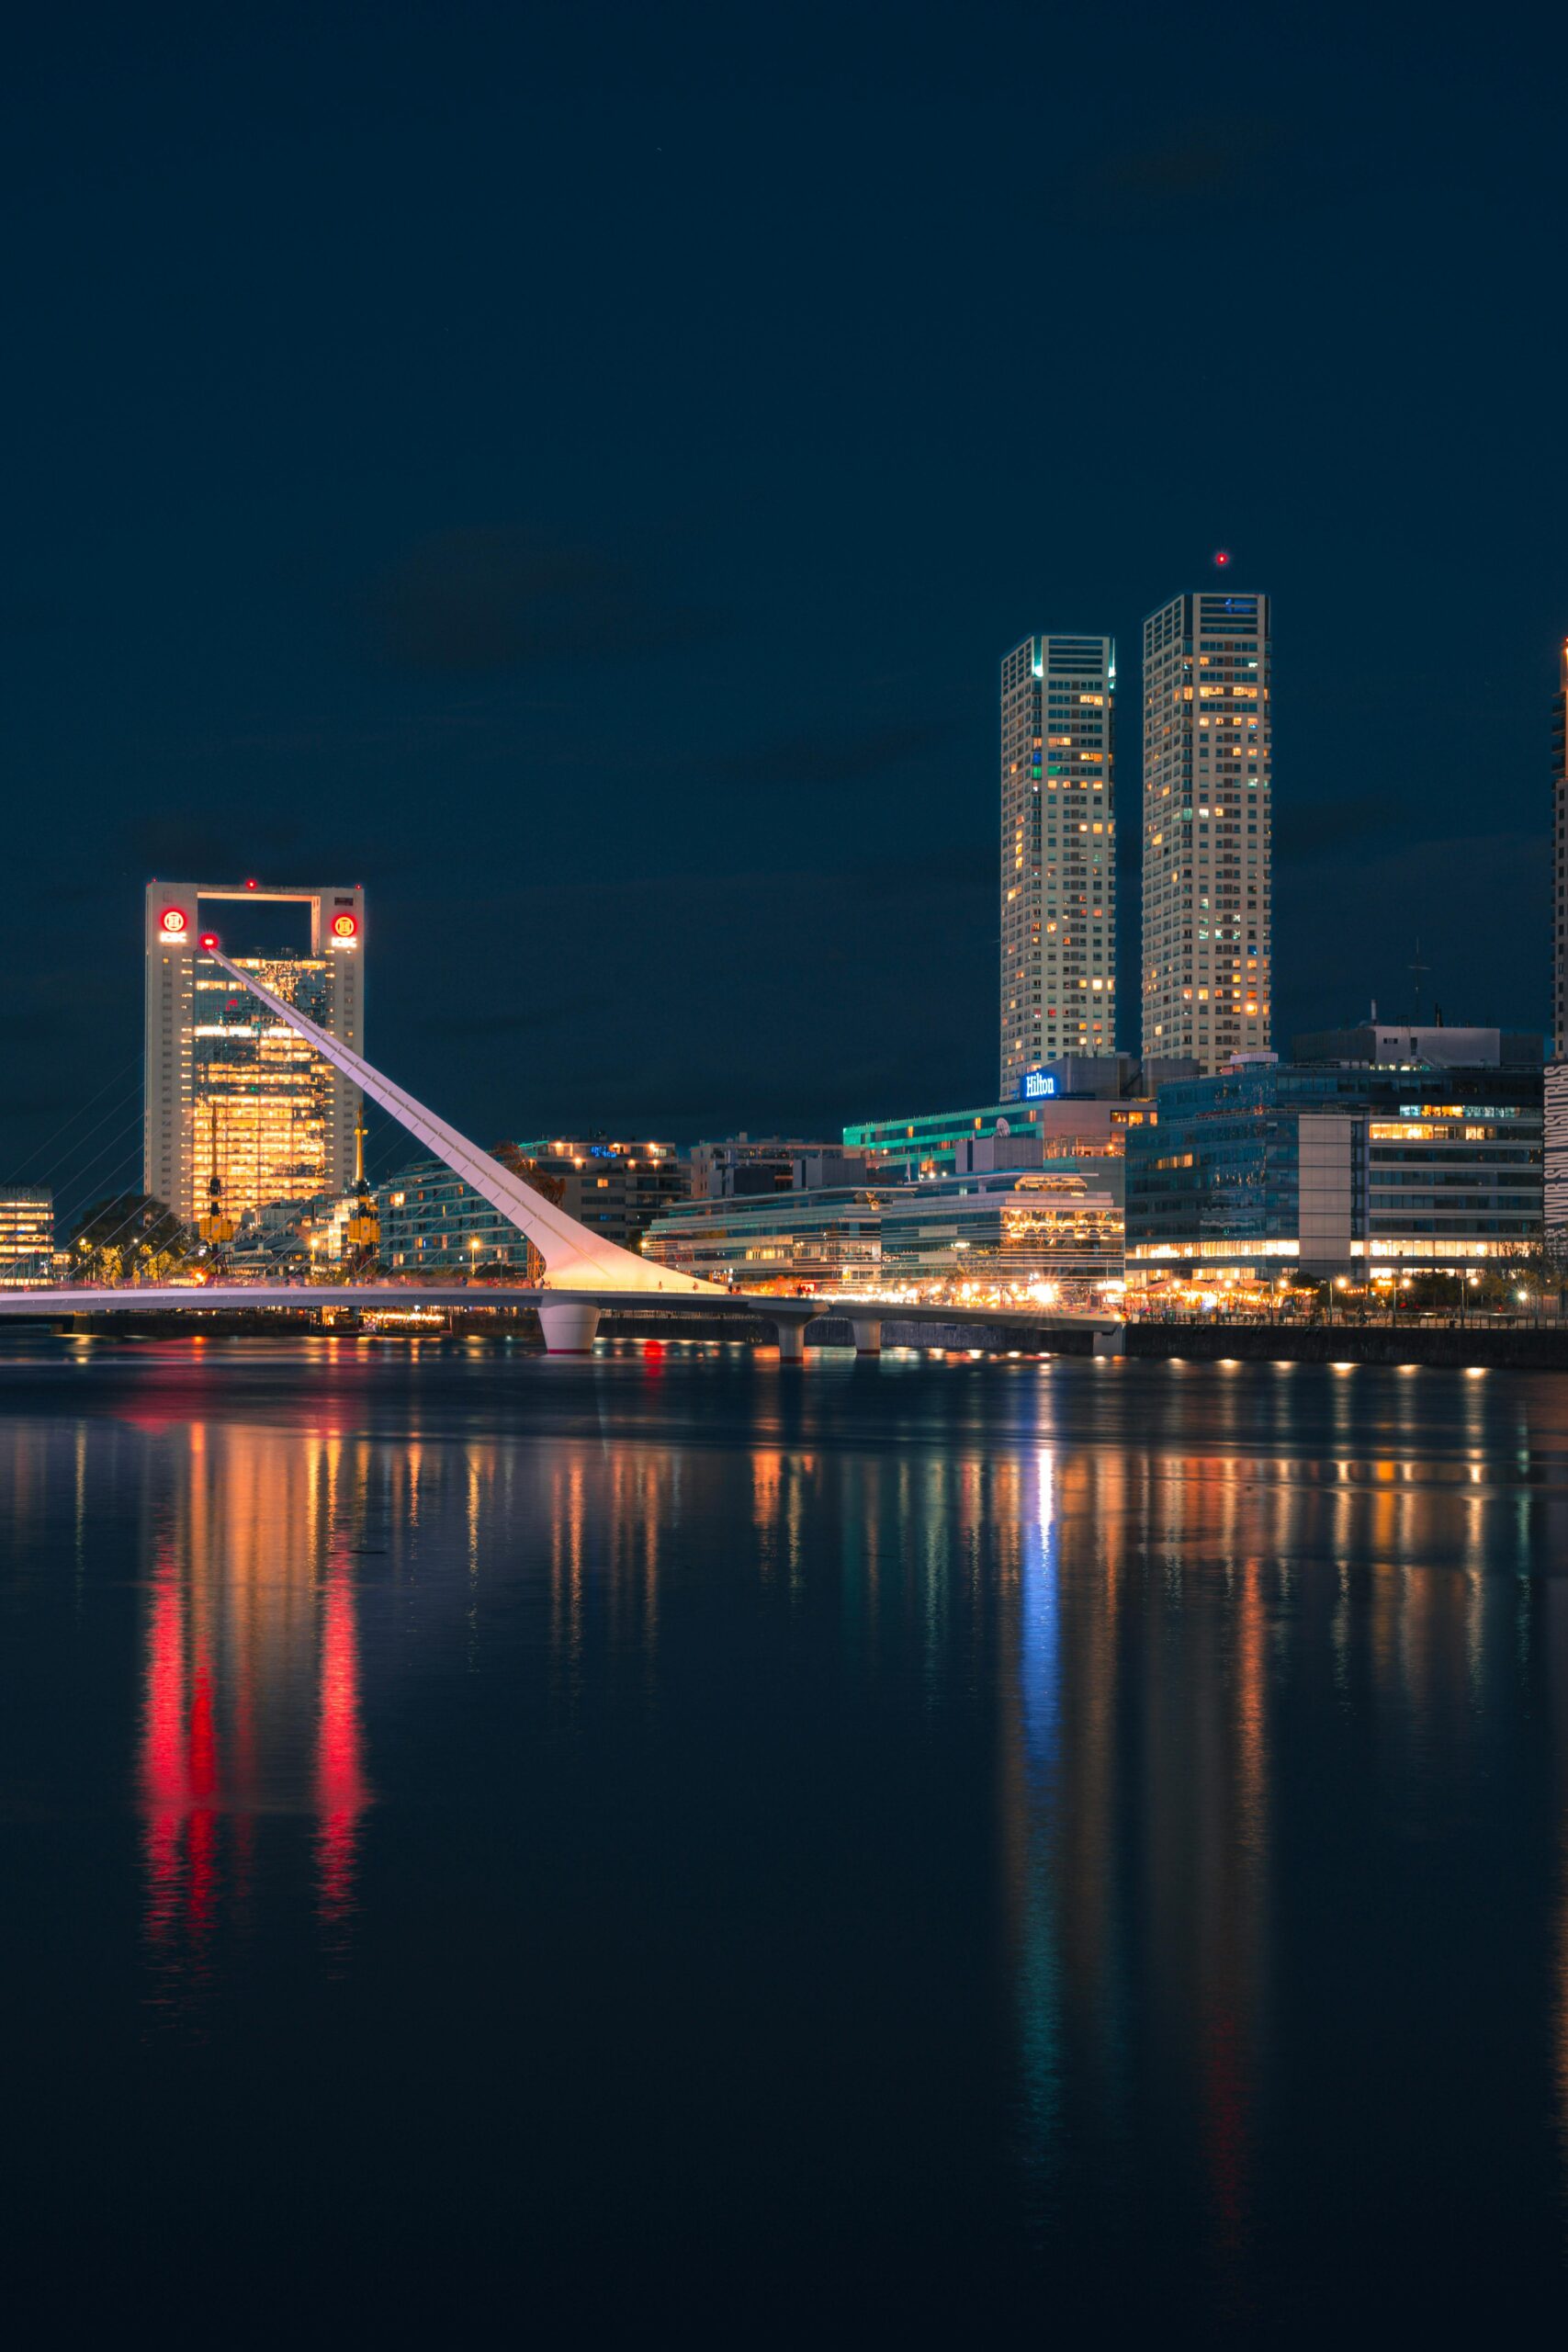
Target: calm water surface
[[671, 1843]]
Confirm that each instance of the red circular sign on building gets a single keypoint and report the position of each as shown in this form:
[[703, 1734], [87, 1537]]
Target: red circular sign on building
[[344, 926], [173, 920]]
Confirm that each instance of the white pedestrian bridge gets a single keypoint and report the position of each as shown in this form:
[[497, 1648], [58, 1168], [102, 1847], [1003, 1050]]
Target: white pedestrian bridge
[[585, 1273]]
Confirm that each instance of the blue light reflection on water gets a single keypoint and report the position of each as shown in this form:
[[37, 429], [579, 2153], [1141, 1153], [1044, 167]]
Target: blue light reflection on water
[[913, 1833], [1039, 1962]]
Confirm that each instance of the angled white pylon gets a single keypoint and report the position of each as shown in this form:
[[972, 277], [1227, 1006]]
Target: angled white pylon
[[574, 1257]]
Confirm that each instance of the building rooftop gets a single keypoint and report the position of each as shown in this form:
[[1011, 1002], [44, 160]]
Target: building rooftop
[[1416, 1045]]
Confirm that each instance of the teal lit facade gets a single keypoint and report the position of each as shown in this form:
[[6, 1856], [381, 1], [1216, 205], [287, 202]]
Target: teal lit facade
[[929, 1140]]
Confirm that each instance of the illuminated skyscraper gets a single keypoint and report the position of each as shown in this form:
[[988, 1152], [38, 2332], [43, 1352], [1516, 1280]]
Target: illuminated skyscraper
[[1559, 861], [1207, 813], [1058, 853], [229, 1093]]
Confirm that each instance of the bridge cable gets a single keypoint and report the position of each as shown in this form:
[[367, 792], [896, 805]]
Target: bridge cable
[[48, 1174], [105, 1188], [119, 1192], [81, 1111]]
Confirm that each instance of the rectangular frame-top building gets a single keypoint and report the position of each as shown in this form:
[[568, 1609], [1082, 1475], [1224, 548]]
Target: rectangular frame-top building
[[228, 1091]]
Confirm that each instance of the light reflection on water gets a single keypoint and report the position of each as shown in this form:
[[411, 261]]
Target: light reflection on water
[[251, 1679], [1118, 1812]]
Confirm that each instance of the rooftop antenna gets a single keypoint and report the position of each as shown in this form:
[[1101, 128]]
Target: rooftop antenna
[[1418, 969]]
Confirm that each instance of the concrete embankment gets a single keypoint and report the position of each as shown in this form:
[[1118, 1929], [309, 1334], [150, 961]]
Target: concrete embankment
[[835, 1332], [1521, 1347], [221, 1323]]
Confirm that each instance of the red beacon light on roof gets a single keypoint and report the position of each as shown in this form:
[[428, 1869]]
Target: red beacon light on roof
[[1222, 556], [251, 883], [210, 939]]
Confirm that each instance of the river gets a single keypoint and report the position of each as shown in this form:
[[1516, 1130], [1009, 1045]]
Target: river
[[679, 1842]]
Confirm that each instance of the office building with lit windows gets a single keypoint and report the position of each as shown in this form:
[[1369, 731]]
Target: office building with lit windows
[[230, 1092], [27, 1235], [432, 1221], [1058, 852], [1002, 1229], [1207, 944], [615, 1188], [1366, 1155]]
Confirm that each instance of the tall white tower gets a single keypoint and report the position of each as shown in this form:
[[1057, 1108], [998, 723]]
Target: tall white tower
[[1058, 853], [1207, 959]]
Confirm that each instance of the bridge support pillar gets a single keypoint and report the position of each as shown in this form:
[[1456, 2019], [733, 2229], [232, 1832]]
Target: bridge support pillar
[[568, 1329], [867, 1330], [792, 1339], [1112, 1341]]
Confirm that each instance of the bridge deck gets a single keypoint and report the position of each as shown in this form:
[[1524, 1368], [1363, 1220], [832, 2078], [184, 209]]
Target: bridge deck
[[47, 1304]]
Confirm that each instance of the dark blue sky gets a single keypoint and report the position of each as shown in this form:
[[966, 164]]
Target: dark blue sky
[[576, 471]]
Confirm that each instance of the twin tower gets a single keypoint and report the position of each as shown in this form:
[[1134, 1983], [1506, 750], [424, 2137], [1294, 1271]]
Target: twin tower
[[1206, 826]]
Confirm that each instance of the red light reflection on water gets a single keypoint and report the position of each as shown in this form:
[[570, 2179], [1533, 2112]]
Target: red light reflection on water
[[180, 1777], [241, 1626], [166, 1786], [341, 1792]]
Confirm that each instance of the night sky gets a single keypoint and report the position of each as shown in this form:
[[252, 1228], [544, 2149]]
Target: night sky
[[576, 470]]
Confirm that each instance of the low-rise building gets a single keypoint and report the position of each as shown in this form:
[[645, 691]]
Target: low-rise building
[[938, 1143], [738, 1167], [1004, 1229], [615, 1188], [1049, 1232], [1342, 1166], [432, 1221], [27, 1235], [829, 1236]]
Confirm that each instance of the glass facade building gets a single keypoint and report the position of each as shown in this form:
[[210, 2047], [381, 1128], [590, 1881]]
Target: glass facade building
[[772, 1240], [261, 1099], [432, 1221], [1269, 1166]]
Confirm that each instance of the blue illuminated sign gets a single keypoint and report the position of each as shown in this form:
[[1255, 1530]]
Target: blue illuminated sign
[[1037, 1082]]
